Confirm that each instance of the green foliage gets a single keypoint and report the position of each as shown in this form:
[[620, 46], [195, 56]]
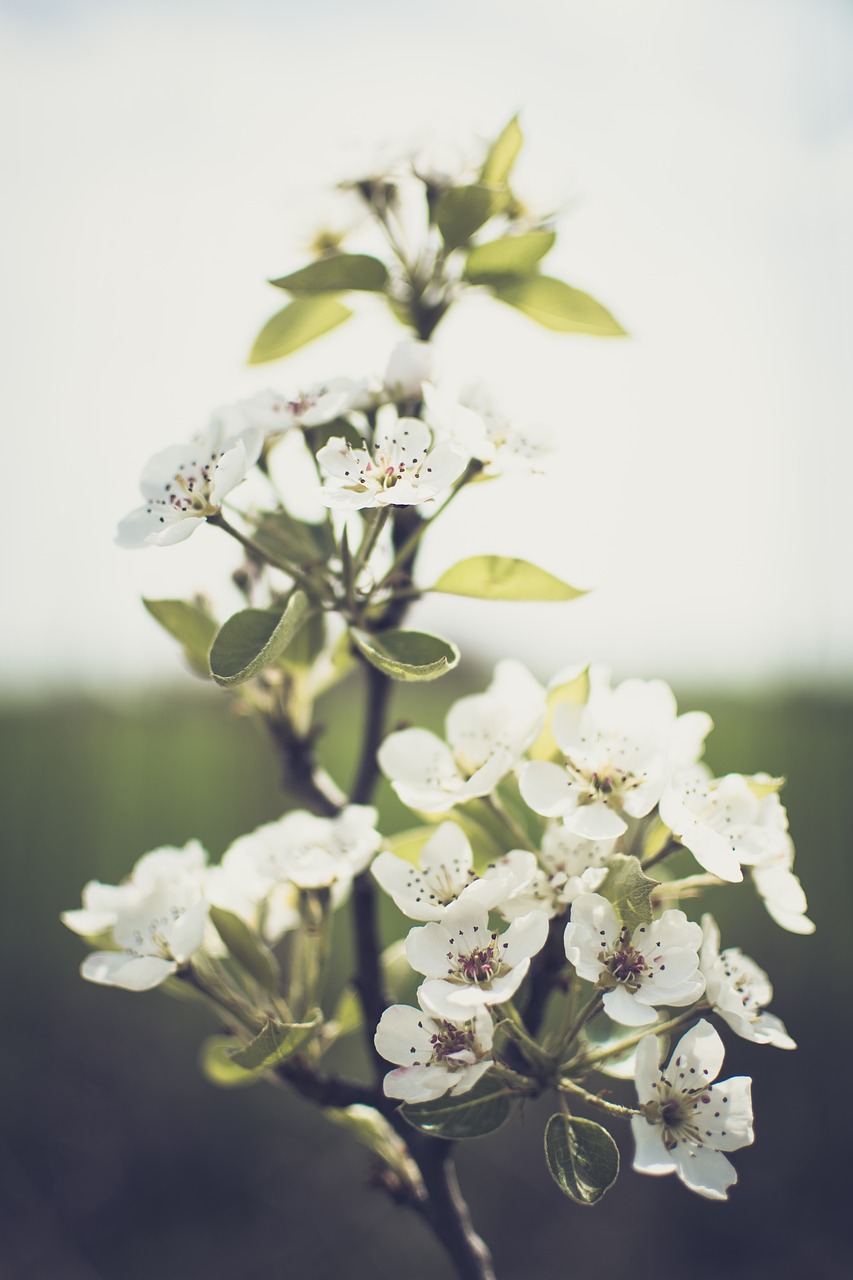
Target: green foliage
[[246, 948], [191, 626], [629, 890], [217, 1065], [556, 305], [582, 1158], [275, 1043], [373, 1131], [461, 211], [300, 322], [337, 273], [503, 578], [481, 1110], [254, 638], [407, 655], [286, 539], [510, 256], [502, 154]]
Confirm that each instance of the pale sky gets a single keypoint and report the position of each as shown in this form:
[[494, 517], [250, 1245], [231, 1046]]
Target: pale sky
[[160, 162]]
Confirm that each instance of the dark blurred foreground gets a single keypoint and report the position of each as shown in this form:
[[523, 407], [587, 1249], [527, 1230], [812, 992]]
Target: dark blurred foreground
[[118, 1161]]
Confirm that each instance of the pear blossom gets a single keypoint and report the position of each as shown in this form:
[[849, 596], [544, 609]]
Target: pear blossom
[[157, 932], [404, 468], [481, 433], [410, 365], [738, 990], [619, 748], [725, 822], [446, 874], [688, 1122], [104, 904], [487, 733], [657, 963], [568, 866], [781, 890], [236, 885], [309, 852], [436, 1055], [186, 483], [467, 964]]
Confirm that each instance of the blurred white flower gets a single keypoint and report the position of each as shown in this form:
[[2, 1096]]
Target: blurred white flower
[[738, 990]]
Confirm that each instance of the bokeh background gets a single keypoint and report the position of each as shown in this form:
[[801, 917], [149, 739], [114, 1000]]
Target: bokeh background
[[159, 162]]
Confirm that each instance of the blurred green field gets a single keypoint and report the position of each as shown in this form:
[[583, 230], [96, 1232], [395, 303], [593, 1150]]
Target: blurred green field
[[119, 1162]]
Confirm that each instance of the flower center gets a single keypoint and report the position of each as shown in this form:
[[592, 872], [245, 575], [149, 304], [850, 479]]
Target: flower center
[[450, 1039], [479, 965]]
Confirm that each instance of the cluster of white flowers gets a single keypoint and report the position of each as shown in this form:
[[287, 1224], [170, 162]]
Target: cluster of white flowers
[[157, 920], [618, 765], [402, 460]]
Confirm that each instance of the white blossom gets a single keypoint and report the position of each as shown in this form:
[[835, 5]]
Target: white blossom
[[186, 483], [435, 1054], [467, 964], [159, 925], [446, 874], [738, 990], [654, 964], [404, 468], [310, 852], [619, 749], [487, 734], [781, 890], [476, 428], [569, 865], [410, 365], [688, 1122], [725, 822], [104, 904]]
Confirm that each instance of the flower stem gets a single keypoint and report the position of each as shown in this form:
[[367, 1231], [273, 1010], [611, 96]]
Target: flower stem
[[612, 1108], [656, 1029]]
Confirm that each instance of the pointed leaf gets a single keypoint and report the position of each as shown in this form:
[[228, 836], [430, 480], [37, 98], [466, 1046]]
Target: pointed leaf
[[275, 1043], [502, 154], [461, 211], [481, 1110], [373, 1131], [629, 890], [190, 625], [337, 273], [217, 1065], [297, 324], [556, 305], [407, 655], [246, 948], [287, 539], [503, 578], [253, 638], [582, 1157], [509, 256]]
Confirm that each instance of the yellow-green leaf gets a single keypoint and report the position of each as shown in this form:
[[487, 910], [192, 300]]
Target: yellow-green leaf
[[573, 689], [247, 949], [474, 1114], [297, 324], [337, 273], [407, 655], [191, 627], [556, 305], [254, 638], [275, 1043], [217, 1065], [628, 890], [461, 211], [509, 256], [503, 578], [502, 154]]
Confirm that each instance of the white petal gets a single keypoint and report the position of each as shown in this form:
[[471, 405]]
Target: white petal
[[705, 1171], [547, 788], [120, 969], [651, 1155]]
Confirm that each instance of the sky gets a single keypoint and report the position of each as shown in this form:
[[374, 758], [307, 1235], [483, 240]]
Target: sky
[[161, 161]]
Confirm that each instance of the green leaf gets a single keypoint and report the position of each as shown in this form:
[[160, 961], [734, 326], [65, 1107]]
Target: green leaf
[[275, 1043], [509, 256], [190, 625], [556, 305], [502, 154], [217, 1065], [348, 1015], [503, 578], [461, 211], [629, 890], [574, 689], [297, 324], [481, 1110], [336, 274], [253, 638], [247, 949], [287, 539], [407, 655], [582, 1157], [373, 1131]]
